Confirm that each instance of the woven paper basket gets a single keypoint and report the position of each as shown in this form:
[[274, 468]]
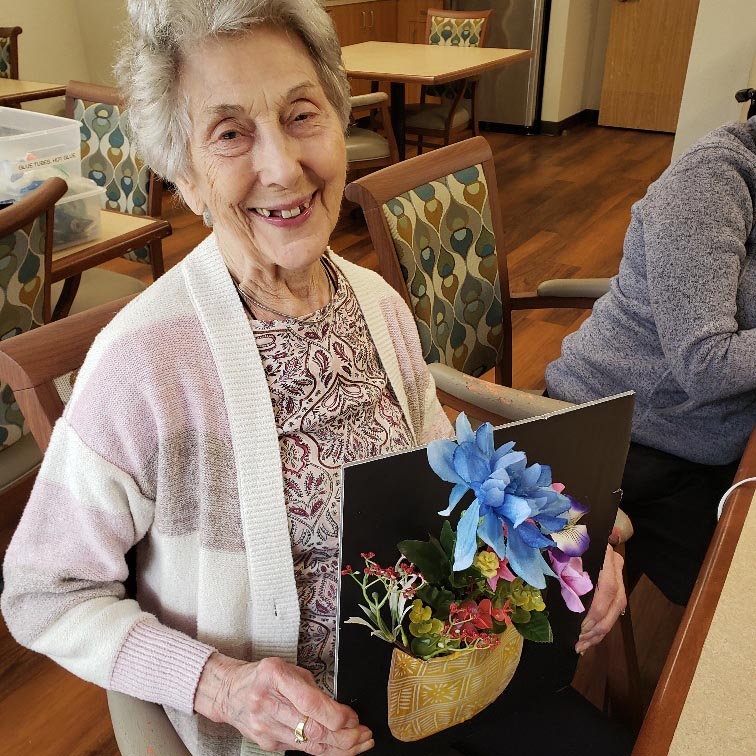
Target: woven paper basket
[[425, 697]]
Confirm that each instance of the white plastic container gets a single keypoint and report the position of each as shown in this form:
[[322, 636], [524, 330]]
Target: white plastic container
[[77, 218], [33, 140]]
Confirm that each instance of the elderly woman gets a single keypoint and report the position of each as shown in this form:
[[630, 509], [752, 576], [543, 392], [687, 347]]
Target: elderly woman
[[210, 420]]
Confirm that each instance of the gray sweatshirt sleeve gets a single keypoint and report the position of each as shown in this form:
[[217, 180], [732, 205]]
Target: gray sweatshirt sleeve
[[694, 230]]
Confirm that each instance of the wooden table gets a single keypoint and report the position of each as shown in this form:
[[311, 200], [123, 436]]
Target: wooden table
[[15, 91], [400, 63], [119, 233], [705, 701]]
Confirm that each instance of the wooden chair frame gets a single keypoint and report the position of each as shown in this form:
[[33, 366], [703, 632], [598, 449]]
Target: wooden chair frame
[[80, 90], [31, 361], [12, 32], [667, 704], [369, 105], [373, 191], [42, 200], [449, 132]]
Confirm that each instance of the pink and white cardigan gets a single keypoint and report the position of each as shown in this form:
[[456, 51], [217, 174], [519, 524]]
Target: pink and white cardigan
[[169, 442]]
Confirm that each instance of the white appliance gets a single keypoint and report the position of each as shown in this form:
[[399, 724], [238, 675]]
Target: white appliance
[[511, 96]]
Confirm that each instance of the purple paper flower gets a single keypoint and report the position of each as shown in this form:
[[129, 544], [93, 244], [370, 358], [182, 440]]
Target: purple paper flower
[[573, 539], [573, 579]]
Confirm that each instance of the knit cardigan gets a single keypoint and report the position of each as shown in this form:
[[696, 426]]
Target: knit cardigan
[[169, 442], [678, 325]]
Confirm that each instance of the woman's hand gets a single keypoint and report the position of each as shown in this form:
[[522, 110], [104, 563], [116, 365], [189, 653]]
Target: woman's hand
[[609, 601], [266, 700]]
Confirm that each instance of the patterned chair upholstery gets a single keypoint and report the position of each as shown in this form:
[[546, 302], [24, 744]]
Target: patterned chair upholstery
[[435, 223], [455, 113], [444, 242], [24, 291], [9, 51], [110, 160]]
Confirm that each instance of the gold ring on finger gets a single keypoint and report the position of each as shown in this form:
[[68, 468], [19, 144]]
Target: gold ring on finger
[[299, 733]]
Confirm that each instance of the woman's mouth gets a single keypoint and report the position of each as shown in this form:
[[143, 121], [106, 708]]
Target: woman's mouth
[[288, 215]]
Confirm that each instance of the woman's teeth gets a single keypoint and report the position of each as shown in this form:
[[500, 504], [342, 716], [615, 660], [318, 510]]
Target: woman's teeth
[[290, 213]]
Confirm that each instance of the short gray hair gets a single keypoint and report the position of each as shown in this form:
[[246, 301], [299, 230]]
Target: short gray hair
[[166, 32]]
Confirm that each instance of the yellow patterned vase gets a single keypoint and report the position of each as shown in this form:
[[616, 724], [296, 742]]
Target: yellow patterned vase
[[425, 697]]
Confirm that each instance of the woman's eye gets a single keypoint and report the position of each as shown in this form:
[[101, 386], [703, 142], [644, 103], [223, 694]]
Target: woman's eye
[[228, 135]]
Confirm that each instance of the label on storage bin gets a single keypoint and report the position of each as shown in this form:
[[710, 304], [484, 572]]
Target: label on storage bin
[[27, 165]]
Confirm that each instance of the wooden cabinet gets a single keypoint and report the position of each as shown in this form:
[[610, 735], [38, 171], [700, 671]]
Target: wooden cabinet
[[412, 17], [365, 22]]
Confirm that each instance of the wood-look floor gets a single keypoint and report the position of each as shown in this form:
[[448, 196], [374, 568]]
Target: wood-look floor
[[566, 204]]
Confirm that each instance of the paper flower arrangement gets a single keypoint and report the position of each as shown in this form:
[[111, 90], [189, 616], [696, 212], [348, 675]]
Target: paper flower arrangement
[[462, 590]]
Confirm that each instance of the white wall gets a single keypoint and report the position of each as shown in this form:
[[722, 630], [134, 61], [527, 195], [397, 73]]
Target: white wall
[[578, 35], [101, 22], [722, 60], [50, 47]]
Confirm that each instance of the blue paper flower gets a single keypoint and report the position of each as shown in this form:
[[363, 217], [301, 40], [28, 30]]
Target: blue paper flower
[[515, 508]]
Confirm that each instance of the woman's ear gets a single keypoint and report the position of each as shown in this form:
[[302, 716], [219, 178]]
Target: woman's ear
[[191, 195]]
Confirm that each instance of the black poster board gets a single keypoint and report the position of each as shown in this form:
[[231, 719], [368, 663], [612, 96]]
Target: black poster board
[[398, 497]]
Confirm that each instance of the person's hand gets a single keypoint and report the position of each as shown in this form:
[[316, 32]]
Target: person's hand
[[266, 700], [609, 601]]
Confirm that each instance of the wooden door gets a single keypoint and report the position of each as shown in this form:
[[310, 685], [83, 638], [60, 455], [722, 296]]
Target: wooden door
[[646, 62]]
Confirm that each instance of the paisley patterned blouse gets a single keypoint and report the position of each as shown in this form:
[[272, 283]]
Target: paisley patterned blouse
[[333, 404]]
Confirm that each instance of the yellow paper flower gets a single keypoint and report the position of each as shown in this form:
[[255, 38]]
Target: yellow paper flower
[[487, 562], [526, 596]]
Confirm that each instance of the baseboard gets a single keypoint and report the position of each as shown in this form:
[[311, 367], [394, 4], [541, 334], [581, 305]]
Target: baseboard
[[509, 128], [556, 128]]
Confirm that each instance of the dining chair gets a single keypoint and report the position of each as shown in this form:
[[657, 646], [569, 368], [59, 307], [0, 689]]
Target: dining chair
[[435, 223], [26, 298], [130, 224], [455, 112], [366, 148], [41, 366], [9, 51]]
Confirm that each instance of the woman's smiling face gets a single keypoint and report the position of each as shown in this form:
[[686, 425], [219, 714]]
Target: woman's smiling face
[[267, 149]]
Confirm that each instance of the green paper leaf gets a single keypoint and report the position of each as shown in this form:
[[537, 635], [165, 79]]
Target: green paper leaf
[[448, 539], [538, 629], [429, 557], [423, 646], [520, 616], [438, 599]]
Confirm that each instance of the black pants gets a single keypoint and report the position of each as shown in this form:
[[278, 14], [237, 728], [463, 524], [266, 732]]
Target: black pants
[[673, 506]]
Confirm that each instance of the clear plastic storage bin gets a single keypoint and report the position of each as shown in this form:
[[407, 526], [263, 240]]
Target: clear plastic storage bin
[[77, 218], [33, 140]]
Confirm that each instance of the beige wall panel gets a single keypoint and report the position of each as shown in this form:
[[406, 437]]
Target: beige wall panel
[[50, 48], [722, 60]]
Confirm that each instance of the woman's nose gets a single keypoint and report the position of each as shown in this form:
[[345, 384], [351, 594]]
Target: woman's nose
[[277, 158]]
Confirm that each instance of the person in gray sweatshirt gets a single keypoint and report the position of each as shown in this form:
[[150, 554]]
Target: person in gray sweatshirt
[[678, 327]]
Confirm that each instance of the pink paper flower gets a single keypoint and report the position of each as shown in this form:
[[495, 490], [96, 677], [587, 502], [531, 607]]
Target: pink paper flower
[[503, 573], [573, 579]]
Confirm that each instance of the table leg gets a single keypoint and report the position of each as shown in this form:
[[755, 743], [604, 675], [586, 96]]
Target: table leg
[[397, 115]]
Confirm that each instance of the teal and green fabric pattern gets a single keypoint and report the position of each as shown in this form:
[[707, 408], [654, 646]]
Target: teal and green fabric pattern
[[444, 241], [108, 158], [5, 62], [455, 32], [22, 272]]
